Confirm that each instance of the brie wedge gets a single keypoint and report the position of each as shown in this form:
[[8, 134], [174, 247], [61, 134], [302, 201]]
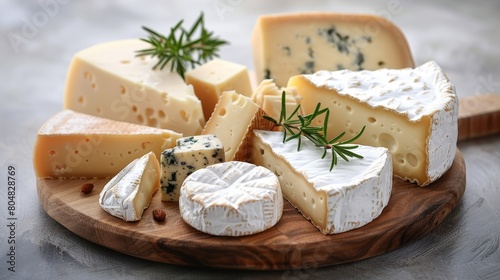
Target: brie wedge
[[130, 192], [350, 196]]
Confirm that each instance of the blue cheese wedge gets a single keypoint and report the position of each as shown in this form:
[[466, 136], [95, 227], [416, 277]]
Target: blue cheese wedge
[[190, 154], [231, 199], [289, 44], [130, 192], [353, 194]]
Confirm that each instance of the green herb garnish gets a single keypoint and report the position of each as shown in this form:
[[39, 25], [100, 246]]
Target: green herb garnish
[[296, 125], [182, 48]]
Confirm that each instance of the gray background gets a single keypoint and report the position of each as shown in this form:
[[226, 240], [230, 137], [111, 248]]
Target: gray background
[[462, 36]]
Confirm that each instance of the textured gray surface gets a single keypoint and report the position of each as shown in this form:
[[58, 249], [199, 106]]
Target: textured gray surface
[[38, 39]]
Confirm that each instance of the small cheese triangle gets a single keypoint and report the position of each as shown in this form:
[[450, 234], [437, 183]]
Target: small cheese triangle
[[130, 192]]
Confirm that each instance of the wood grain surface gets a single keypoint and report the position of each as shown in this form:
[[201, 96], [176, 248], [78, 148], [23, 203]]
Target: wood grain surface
[[293, 243], [478, 116]]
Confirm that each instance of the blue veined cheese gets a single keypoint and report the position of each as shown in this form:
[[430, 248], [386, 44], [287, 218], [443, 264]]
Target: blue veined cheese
[[289, 44], [232, 198], [350, 196], [190, 154], [412, 112], [130, 192]]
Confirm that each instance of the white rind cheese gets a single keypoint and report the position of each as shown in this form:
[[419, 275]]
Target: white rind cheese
[[350, 196], [290, 44], [190, 154], [109, 80], [412, 112], [231, 199], [130, 192]]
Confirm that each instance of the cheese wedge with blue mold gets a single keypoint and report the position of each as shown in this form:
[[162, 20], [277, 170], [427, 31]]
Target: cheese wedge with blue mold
[[285, 45], [190, 154]]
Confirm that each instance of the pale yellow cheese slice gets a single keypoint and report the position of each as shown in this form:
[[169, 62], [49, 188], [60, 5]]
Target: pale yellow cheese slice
[[109, 80], [76, 145]]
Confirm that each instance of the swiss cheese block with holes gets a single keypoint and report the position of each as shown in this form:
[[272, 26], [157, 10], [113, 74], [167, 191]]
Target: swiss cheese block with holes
[[231, 199], [109, 80], [349, 196], [289, 44], [233, 119], [76, 145], [216, 76], [412, 112]]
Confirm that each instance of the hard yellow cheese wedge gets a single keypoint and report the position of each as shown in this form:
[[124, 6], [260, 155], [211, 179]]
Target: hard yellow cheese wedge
[[76, 145], [109, 80]]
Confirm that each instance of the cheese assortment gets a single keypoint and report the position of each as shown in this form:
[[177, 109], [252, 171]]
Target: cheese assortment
[[108, 80], [204, 141], [231, 199], [269, 97], [76, 145], [190, 154], [216, 76], [130, 192], [412, 112], [289, 44], [233, 119], [353, 194]]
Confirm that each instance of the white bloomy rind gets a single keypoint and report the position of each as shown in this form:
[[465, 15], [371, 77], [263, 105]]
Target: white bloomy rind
[[414, 93], [231, 199], [130, 192], [352, 194]]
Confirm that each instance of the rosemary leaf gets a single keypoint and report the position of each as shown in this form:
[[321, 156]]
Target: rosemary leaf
[[181, 48]]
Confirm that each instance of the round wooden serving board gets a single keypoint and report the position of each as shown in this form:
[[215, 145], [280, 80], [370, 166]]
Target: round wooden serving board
[[293, 243]]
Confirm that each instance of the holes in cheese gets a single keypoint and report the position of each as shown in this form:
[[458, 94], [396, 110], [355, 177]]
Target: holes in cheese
[[233, 119], [412, 112], [216, 76], [289, 44], [76, 145], [100, 83], [350, 196]]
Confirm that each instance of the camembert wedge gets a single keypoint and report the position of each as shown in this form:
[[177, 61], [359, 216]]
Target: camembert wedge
[[412, 112], [130, 192], [350, 196], [76, 145]]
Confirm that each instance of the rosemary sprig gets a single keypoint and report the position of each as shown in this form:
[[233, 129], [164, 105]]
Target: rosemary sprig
[[182, 48], [296, 125]]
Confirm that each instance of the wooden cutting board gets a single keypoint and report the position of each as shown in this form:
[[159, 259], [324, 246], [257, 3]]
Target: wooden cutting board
[[293, 243]]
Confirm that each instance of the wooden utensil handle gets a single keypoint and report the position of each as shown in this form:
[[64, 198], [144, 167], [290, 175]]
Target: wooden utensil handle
[[478, 116]]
